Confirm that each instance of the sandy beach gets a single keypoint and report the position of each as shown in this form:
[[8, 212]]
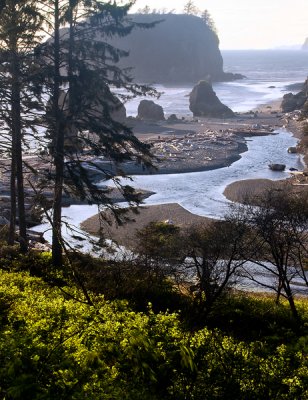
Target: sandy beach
[[125, 234], [268, 116], [200, 144], [195, 144]]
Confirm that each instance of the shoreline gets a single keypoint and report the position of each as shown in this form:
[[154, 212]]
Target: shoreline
[[125, 235], [202, 144], [224, 151], [267, 114]]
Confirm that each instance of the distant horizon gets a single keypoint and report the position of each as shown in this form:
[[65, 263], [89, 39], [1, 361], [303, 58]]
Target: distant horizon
[[262, 25], [291, 48]]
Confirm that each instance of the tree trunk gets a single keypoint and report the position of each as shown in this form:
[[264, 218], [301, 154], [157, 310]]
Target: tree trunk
[[17, 135], [279, 288], [58, 149], [290, 298], [12, 226]]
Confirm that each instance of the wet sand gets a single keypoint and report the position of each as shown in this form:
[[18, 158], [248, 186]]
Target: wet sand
[[200, 144], [268, 115], [126, 234]]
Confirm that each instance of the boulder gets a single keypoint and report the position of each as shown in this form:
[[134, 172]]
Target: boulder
[[277, 167], [292, 150], [291, 102], [203, 102], [148, 110], [173, 118]]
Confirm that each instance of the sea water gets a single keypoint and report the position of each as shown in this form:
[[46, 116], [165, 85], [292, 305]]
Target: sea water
[[268, 74], [202, 192]]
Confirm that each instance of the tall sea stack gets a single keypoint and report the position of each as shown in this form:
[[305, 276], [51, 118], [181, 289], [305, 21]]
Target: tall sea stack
[[180, 49]]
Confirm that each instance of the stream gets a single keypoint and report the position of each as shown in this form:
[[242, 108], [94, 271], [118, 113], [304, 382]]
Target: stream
[[201, 192]]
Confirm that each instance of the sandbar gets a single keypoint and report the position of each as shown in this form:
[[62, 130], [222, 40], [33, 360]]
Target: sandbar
[[125, 234]]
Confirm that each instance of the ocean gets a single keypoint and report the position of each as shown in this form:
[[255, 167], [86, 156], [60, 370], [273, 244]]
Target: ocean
[[268, 73]]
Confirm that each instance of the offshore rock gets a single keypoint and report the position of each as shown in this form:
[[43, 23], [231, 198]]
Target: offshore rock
[[148, 110], [277, 167], [116, 108], [203, 102], [181, 48], [292, 102]]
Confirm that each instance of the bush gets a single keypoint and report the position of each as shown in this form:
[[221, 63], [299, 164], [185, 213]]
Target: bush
[[52, 347], [131, 280]]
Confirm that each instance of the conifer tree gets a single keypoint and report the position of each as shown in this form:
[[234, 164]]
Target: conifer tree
[[191, 8], [19, 32], [82, 70]]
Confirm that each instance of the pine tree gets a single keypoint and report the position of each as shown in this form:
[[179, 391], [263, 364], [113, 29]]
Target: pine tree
[[84, 71], [207, 18], [19, 31], [191, 8]]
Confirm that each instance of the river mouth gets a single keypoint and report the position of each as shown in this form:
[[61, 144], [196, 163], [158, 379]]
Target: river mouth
[[202, 192], [199, 192]]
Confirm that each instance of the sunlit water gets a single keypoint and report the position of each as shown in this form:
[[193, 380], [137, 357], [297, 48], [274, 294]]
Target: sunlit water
[[268, 74], [202, 192]]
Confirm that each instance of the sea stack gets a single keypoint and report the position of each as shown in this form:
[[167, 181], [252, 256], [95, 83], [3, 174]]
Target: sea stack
[[180, 49], [148, 110], [203, 102]]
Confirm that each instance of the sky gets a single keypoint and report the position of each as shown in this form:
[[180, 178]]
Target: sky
[[249, 24]]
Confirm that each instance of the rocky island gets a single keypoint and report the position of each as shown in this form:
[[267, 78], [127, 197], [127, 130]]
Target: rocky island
[[182, 48]]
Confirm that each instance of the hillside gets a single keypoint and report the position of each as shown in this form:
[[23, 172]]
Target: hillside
[[180, 49]]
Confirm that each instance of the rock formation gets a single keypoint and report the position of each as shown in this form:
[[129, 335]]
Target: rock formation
[[291, 102], [116, 108], [277, 167], [180, 49], [148, 110], [305, 45], [203, 102]]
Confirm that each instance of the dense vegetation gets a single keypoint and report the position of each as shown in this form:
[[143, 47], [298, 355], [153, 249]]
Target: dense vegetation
[[53, 346], [74, 327]]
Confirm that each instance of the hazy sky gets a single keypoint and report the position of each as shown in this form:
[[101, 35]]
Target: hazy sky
[[249, 24]]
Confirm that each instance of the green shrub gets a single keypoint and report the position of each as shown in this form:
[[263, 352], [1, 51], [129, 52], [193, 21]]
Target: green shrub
[[52, 347]]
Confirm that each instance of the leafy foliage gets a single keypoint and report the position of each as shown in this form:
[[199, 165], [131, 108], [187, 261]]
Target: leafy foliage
[[52, 347]]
